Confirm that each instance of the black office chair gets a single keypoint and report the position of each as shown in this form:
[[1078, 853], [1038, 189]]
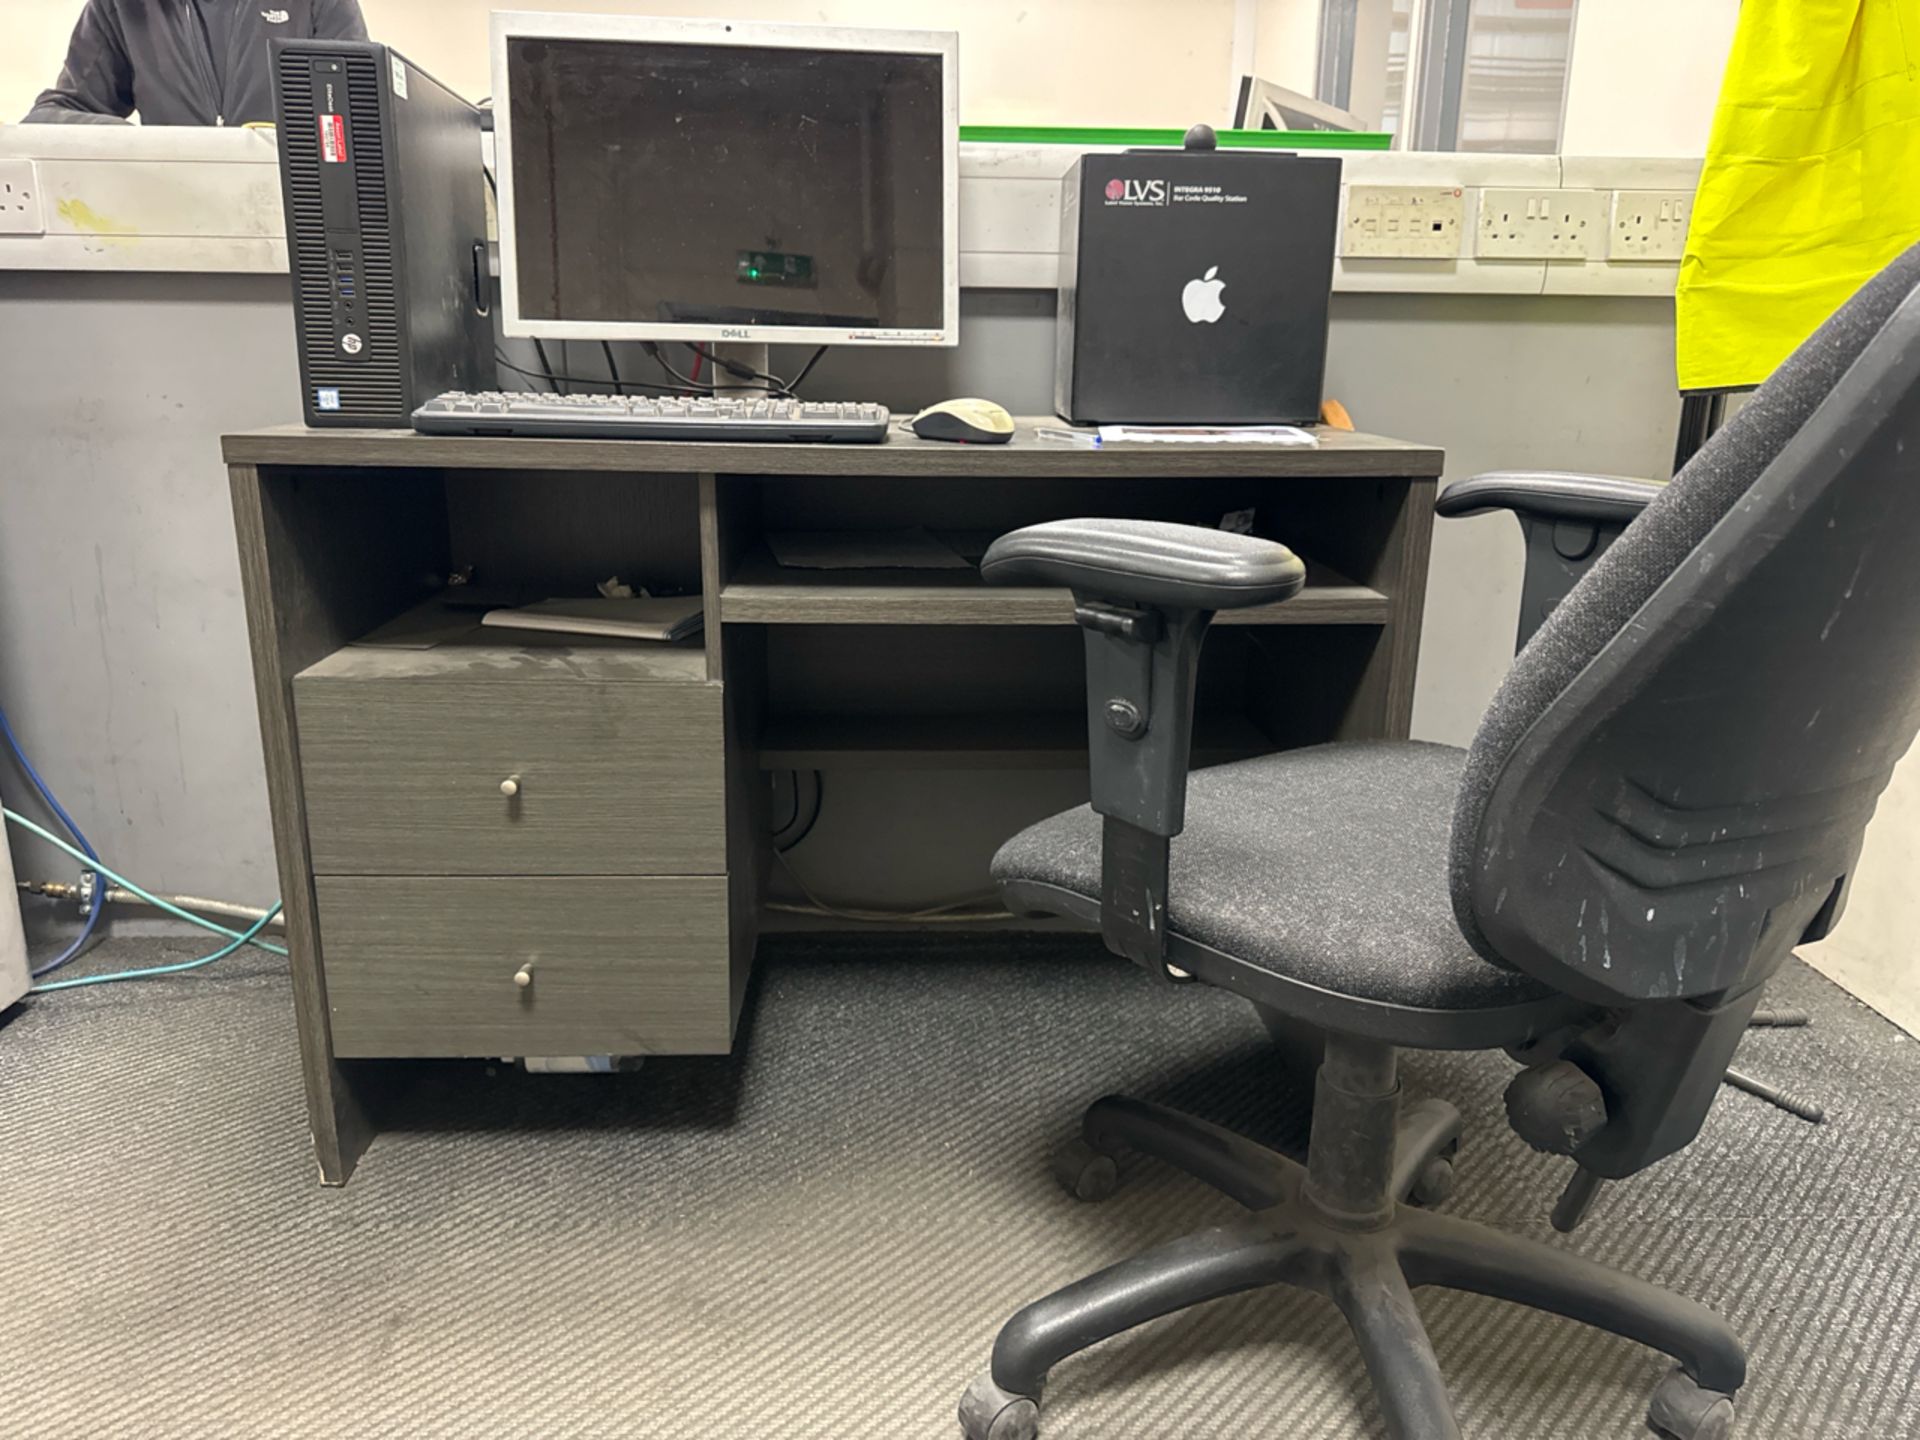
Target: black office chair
[[1568, 522], [1667, 795]]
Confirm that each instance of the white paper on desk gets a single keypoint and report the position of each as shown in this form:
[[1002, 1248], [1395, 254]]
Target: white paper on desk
[[668, 618], [1207, 434], [912, 549]]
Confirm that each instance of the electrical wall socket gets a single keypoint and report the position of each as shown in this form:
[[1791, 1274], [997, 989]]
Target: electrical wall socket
[[20, 212], [1650, 225], [1407, 222], [1541, 225]]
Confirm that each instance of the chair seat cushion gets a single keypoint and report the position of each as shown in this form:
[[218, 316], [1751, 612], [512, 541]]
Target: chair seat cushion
[[1326, 866]]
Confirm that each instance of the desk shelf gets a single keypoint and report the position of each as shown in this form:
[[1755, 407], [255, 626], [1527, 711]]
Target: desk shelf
[[1005, 741], [762, 592]]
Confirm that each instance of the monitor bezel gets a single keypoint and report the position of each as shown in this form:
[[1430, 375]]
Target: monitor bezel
[[514, 25]]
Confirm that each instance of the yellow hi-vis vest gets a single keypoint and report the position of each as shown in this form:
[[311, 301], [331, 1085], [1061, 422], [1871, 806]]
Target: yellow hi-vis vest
[[1811, 182]]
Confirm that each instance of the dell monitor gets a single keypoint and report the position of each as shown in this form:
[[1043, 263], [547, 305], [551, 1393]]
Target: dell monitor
[[1265, 106], [707, 181]]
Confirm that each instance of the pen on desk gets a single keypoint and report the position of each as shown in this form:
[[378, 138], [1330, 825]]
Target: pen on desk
[[1086, 439]]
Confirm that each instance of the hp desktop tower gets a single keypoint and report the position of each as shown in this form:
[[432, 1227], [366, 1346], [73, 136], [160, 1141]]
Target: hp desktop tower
[[380, 171], [1194, 287]]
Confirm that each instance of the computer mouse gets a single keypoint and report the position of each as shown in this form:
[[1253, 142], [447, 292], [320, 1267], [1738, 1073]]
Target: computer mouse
[[975, 422]]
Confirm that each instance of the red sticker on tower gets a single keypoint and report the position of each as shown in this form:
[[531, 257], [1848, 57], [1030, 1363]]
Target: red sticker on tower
[[333, 139]]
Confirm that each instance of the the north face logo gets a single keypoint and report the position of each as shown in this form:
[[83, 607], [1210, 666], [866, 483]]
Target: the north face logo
[[275, 17]]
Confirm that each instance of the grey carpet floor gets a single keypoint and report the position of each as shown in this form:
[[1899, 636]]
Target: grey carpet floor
[[818, 1236]]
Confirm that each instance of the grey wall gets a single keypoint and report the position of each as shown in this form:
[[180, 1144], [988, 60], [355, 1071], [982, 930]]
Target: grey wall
[[123, 651], [123, 657], [1503, 384]]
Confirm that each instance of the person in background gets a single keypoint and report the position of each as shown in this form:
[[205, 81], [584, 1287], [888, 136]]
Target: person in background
[[183, 62]]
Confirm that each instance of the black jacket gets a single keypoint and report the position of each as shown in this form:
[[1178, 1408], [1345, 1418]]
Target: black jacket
[[184, 62]]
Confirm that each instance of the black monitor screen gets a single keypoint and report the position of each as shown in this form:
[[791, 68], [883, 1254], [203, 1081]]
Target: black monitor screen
[[727, 185]]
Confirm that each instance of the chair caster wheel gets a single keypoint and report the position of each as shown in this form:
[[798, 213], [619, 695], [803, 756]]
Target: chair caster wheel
[[989, 1413], [1084, 1173], [1682, 1408], [1435, 1185]]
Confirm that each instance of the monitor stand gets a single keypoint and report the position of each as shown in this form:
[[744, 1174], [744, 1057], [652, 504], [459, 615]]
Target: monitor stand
[[751, 357]]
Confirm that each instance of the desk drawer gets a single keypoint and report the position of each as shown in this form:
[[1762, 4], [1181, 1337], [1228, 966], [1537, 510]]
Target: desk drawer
[[404, 776], [620, 965]]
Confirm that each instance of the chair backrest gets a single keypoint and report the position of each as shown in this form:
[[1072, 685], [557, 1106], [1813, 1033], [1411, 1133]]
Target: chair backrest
[[1670, 789]]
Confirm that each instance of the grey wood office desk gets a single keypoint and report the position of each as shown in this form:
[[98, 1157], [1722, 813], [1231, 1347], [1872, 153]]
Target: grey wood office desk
[[503, 845]]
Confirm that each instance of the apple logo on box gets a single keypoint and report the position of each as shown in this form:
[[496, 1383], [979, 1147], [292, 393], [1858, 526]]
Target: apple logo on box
[[1201, 298]]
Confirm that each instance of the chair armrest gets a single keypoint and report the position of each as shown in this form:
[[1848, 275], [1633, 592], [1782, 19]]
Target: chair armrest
[[1568, 520], [1144, 593], [1551, 495], [1147, 562]]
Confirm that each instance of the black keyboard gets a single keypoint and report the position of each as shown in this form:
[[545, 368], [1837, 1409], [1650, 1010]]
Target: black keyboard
[[642, 417]]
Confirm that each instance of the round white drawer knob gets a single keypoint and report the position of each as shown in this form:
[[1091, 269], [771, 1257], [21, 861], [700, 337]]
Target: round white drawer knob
[[510, 786], [523, 977]]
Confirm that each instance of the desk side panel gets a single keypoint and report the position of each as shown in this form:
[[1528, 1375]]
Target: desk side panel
[[1387, 689], [323, 559]]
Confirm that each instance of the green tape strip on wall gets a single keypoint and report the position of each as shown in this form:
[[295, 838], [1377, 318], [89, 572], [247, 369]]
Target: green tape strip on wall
[[1102, 135]]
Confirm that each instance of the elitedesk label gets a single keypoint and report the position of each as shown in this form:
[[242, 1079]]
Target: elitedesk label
[[333, 139], [1135, 193]]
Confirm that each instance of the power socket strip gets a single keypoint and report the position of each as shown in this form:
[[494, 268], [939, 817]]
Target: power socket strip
[[1540, 225], [1650, 225], [20, 212], [1403, 222]]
